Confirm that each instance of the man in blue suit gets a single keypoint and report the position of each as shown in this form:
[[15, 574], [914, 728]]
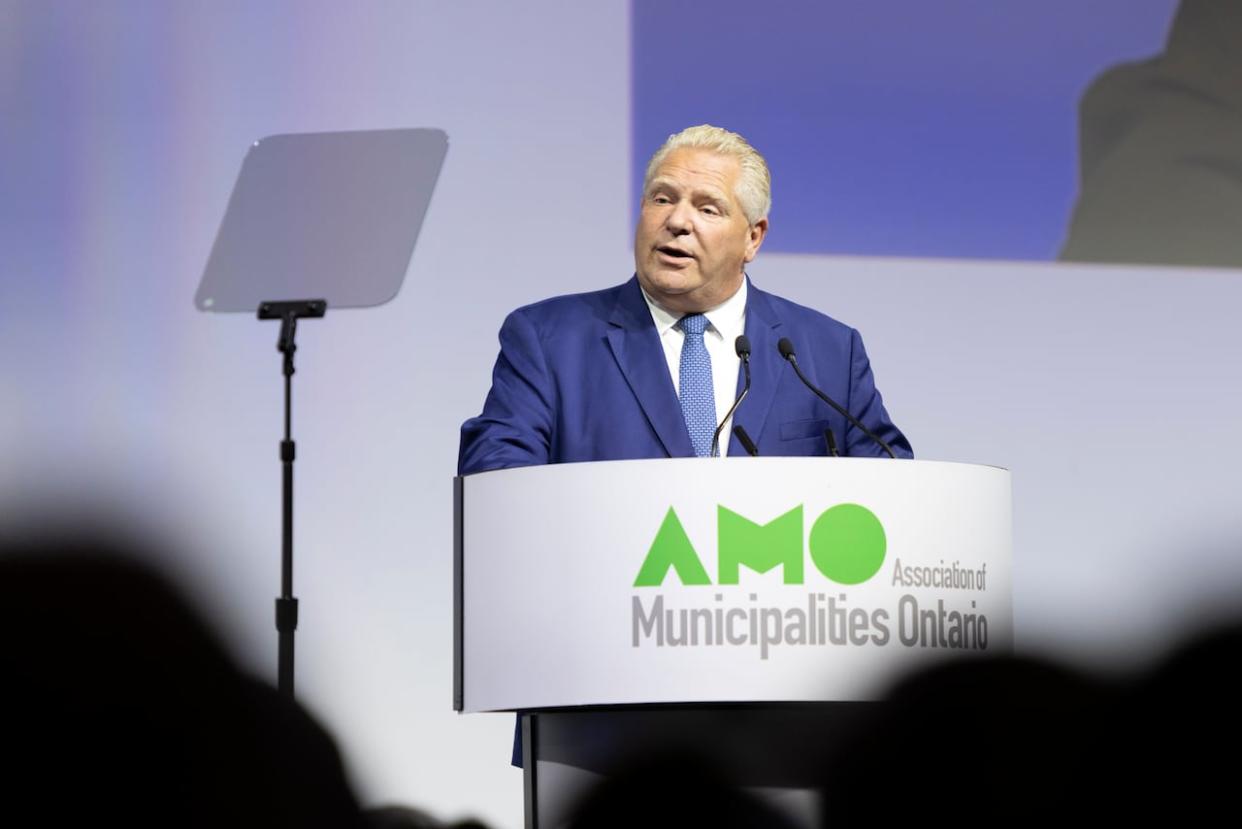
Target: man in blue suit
[[644, 370]]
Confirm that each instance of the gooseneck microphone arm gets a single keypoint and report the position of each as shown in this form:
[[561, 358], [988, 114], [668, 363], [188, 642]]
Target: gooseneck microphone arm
[[742, 346], [787, 351], [747, 443]]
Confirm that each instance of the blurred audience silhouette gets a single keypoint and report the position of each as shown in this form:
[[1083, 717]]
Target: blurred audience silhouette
[[120, 704]]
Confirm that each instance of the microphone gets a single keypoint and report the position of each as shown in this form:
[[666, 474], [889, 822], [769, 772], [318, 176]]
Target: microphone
[[742, 346], [747, 443], [787, 351], [832, 443]]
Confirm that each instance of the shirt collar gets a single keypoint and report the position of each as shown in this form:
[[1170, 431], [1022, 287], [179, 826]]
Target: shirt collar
[[728, 318]]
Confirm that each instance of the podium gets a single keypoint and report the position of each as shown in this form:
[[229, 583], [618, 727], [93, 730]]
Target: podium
[[741, 605]]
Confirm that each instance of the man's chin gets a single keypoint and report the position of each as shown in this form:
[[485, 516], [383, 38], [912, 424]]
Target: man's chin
[[679, 299], [669, 282]]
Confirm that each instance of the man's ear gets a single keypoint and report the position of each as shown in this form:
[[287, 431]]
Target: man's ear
[[757, 232]]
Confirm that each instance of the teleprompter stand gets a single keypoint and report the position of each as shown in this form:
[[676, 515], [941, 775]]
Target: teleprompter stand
[[332, 215], [288, 313]]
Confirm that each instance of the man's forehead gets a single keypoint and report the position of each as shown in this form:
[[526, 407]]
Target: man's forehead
[[698, 169]]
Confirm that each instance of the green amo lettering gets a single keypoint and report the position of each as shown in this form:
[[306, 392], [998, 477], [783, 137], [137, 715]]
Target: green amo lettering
[[846, 544]]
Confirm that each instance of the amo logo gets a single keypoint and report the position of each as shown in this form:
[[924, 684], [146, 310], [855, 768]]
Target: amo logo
[[846, 544]]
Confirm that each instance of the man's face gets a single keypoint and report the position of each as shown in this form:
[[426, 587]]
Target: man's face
[[693, 239]]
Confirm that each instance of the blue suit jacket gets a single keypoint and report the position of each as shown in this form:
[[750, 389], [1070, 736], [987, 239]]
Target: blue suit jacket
[[584, 378]]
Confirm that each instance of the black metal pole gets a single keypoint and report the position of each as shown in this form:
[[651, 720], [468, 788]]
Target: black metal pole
[[287, 605]]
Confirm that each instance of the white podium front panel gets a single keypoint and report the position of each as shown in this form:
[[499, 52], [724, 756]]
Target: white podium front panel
[[742, 579]]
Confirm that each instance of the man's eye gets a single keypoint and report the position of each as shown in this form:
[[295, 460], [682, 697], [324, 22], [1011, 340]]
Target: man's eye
[[711, 210], [660, 199]]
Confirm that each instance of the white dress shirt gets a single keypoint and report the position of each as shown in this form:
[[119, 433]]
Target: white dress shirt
[[726, 321]]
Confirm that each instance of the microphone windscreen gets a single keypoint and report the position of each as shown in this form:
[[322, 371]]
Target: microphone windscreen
[[786, 348], [742, 346]]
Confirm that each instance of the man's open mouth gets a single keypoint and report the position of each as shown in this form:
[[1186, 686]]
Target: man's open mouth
[[676, 253]]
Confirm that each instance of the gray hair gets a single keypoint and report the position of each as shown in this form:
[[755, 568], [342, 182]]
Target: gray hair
[[754, 186]]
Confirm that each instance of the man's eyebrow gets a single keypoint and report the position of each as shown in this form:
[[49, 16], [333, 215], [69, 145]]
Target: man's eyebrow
[[711, 194], [703, 192]]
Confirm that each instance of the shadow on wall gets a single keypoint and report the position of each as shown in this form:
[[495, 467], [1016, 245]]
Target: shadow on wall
[[1161, 150]]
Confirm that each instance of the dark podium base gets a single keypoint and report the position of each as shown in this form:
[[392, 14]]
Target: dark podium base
[[781, 747]]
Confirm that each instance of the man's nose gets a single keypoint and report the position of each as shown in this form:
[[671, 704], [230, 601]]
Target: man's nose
[[680, 219]]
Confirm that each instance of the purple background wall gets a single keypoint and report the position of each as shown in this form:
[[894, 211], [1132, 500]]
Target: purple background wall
[[893, 128]]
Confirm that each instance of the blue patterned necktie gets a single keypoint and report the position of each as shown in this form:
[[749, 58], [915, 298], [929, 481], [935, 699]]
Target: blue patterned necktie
[[698, 400]]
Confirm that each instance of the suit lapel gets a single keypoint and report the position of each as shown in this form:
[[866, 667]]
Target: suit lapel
[[763, 329], [636, 347]]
